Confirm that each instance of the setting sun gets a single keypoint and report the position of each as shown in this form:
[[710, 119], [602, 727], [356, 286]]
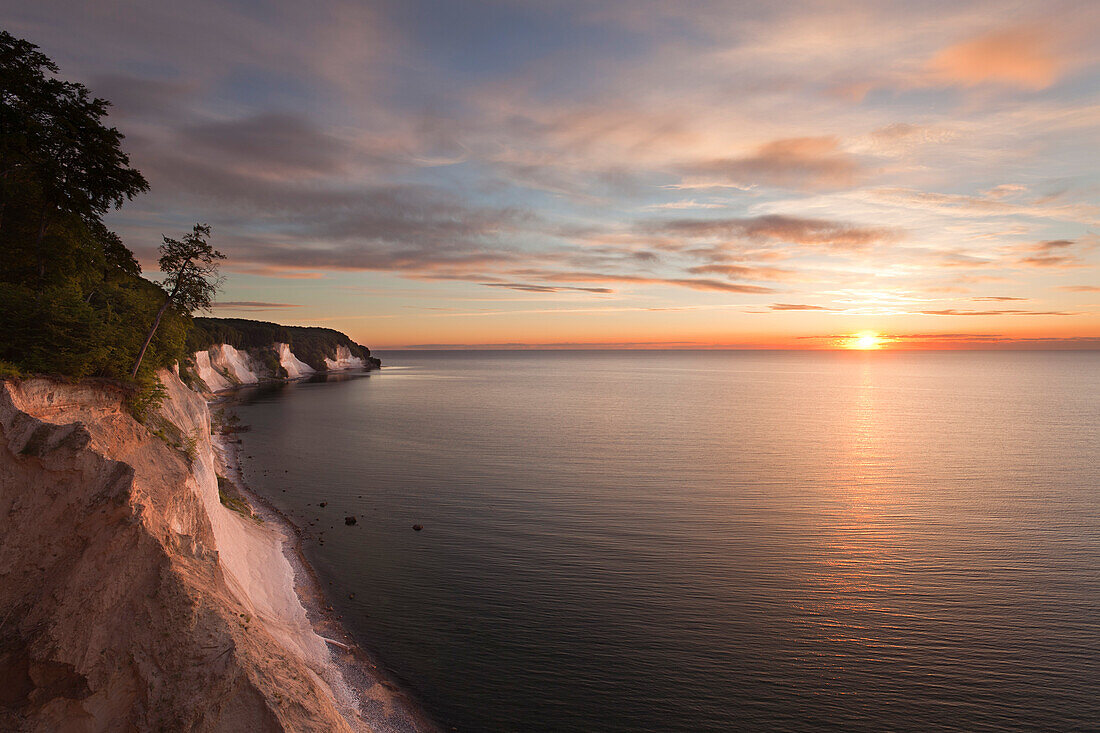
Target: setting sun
[[866, 341]]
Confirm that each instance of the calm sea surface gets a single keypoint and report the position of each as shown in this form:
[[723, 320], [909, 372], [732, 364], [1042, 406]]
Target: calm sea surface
[[708, 541]]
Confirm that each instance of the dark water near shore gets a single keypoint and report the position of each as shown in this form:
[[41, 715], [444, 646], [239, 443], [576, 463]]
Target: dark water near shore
[[694, 541]]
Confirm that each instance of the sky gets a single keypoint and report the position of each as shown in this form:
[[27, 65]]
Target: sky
[[626, 173]]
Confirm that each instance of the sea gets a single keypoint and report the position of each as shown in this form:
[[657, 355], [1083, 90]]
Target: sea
[[707, 540]]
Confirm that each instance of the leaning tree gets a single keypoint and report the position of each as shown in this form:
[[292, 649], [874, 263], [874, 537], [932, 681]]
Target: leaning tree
[[190, 266]]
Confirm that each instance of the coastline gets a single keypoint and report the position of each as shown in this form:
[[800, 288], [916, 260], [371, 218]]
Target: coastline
[[383, 702]]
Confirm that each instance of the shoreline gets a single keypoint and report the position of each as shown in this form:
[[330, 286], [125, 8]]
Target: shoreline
[[381, 699]]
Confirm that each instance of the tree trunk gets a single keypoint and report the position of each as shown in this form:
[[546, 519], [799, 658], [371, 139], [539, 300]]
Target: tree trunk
[[39, 255], [149, 338], [3, 184]]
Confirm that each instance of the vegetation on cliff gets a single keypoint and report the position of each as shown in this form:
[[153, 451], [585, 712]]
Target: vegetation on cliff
[[191, 279], [310, 344], [72, 298], [70, 290]]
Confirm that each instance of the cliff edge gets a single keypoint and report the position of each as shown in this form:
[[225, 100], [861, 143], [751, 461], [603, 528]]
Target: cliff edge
[[230, 352], [130, 597]]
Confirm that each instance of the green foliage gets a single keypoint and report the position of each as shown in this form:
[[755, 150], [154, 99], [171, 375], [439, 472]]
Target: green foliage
[[164, 435], [65, 330], [9, 370], [72, 301], [270, 361], [310, 344], [191, 444], [239, 333], [226, 423], [190, 380], [191, 279], [147, 399], [52, 137], [237, 505], [230, 496], [190, 266]]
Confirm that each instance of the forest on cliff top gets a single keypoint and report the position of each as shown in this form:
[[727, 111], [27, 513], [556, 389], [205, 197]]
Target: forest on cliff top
[[73, 301]]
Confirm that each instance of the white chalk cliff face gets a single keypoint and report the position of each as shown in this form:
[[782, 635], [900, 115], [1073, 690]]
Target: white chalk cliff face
[[204, 370], [137, 601], [294, 366], [223, 367], [343, 360], [237, 365]]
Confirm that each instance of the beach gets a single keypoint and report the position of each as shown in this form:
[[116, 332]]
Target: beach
[[381, 702]]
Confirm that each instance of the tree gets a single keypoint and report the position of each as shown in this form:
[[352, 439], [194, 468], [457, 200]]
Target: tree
[[70, 290], [190, 266], [53, 143]]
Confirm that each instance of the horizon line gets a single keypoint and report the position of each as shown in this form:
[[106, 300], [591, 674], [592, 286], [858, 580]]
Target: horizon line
[[597, 347]]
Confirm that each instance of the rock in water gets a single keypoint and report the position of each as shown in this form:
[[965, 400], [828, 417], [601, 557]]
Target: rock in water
[[349, 521], [418, 527]]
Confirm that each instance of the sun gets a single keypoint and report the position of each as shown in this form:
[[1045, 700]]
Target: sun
[[865, 341]]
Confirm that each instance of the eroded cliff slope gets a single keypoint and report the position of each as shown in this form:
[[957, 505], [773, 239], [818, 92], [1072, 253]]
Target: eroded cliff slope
[[130, 598]]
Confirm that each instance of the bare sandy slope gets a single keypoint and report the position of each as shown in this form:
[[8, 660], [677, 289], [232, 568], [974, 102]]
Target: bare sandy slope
[[130, 598]]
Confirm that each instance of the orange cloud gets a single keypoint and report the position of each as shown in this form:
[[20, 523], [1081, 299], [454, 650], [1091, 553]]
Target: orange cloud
[[1009, 312], [1019, 57], [802, 163], [271, 271], [532, 288], [777, 228], [252, 305], [694, 283], [1051, 253], [743, 272], [798, 307]]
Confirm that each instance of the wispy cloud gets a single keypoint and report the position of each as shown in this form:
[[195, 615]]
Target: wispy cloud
[[775, 228], [268, 145], [743, 272], [798, 307], [805, 163], [252, 305], [531, 288], [1051, 253], [1004, 312], [872, 161]]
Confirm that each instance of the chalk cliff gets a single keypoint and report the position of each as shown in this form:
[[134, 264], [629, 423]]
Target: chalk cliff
[[293, 366], [344, 360], [221, 366], [238, 366], [227, 352], [130, 597], [203, 368]]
